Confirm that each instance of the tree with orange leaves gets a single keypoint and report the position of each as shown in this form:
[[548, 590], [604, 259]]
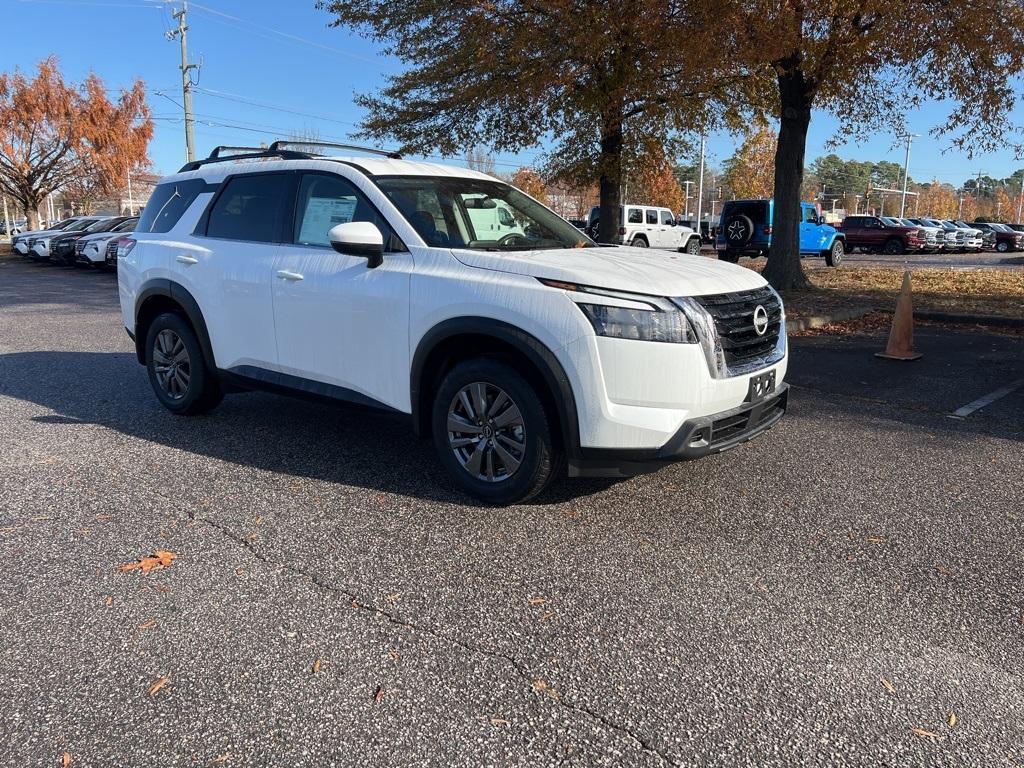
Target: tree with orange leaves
[[54, 134], [653, 181], [530, 182], [750, 173]]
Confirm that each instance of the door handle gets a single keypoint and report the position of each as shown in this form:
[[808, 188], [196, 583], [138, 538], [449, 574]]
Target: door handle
[[284, 274], [186, 259]]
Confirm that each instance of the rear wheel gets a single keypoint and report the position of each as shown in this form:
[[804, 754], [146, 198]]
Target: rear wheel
[[491, 432], [731, 256], [638, 242], [1002, 246], [177, 371]]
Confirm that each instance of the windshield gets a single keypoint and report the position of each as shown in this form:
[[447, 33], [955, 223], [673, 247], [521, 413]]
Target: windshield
[[892, 222], [80, 225], [103, 225], [126, 226], [478, 214]]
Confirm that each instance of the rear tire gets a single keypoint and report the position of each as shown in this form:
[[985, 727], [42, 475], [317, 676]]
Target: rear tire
[[491, 432], [178, 373], [638, 242], [1002, 246], [730, 256]]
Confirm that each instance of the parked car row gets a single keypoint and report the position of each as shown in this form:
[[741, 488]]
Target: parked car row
[[892, 235], [87, 241]]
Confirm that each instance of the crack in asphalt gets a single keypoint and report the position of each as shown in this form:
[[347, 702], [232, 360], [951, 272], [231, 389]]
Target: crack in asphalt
[[521, 670]]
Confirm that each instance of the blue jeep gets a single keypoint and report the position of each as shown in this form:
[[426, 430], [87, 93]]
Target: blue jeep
[[746, 230]]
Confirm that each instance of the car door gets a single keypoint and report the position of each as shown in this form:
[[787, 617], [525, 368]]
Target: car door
[[342, 328], [228, 266], [670, 232], [809, 234], [655, 232]]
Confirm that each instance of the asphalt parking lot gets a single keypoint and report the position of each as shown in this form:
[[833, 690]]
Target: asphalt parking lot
[[845, 590]]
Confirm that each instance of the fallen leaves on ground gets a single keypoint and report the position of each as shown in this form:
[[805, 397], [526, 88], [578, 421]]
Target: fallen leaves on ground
[[316, 666], [162, 559], [66, 760], [378, 695], [952, 720], [157, 685], [541, 686], [109, 600], [499, 721], [219, 759], [394, 654], [537, 601], [888, 685], [924, 734], [148, 624]]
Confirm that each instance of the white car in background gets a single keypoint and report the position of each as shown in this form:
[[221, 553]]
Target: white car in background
[[39, 242], [91, 249], [973, 238], [648, 226], [21, 243], [934, 237]]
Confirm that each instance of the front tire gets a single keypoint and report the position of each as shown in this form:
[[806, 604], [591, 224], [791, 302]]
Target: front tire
[[492, 434], [834, 255], [178, 373], [693, 246]]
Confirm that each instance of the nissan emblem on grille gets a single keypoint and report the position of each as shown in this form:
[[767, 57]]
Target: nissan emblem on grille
[[760, 319]]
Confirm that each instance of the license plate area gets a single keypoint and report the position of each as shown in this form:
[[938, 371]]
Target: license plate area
[[761, 385]]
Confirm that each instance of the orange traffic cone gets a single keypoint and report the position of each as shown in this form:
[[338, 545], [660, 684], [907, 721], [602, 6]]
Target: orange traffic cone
[[901, 336]]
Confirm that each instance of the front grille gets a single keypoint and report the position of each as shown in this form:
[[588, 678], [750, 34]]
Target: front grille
[[733, 314], [80, 247]]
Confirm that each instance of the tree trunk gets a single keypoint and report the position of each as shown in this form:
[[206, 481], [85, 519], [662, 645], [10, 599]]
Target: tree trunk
[[610, 167], [784, 270], [31, 211]]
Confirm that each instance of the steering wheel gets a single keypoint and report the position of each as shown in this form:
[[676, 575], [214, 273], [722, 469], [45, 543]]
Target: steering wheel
[[512, 238]]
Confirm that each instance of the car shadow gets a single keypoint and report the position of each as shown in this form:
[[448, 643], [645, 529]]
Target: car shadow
[[323, 441]]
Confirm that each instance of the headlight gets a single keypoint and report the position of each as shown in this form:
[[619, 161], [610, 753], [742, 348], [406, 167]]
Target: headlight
[[657, 319], [669, 326], [44, 243]]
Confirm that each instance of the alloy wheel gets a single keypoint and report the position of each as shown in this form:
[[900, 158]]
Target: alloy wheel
[[172, 364], [486, 432]]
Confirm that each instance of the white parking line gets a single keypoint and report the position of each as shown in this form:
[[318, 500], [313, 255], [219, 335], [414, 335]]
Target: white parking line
[[988, 399]]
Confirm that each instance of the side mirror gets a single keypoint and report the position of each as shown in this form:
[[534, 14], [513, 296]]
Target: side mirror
[[821, 220], [359, 238]]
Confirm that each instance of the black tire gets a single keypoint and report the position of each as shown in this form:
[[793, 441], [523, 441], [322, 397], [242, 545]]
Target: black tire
[[1002, 246], [638, 242], [739, 230], [834, 255], [539, 460], [731, 256], [202, 391], [693, 246], [893, 246]]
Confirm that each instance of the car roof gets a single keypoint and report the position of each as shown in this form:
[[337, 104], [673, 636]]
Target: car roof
[[371, 166]]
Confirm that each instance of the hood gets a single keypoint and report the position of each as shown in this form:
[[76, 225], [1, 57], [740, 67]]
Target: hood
[[636, 270]]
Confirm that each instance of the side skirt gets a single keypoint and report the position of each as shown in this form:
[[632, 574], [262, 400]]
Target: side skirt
[[251, 377]]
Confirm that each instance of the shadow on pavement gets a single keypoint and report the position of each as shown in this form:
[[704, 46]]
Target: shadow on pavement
[[335, 443]]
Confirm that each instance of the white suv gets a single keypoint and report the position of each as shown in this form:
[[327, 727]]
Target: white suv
[[647, 226], [365, 279]]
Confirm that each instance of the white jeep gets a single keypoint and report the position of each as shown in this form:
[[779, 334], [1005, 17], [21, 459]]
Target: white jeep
[[368, 279], [648, 226]]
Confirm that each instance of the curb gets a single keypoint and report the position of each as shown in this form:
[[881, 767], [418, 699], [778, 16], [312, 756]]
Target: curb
[[817, 321], [953, 317]]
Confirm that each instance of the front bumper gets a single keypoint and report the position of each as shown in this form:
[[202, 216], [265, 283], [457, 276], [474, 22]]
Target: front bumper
[[696, 438]]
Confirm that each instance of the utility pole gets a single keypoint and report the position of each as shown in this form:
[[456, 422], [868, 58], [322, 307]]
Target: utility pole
[[131, 205], [186, 79], [906, 167], [960, 208], [7, 220], [700, 188], [687, 184], [1020, 198]]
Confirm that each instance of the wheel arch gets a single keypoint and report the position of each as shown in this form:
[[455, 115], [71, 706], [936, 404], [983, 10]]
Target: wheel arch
[[461, 338], [162, 295]]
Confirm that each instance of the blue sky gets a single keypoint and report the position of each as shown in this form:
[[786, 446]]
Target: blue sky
[[263, 65]]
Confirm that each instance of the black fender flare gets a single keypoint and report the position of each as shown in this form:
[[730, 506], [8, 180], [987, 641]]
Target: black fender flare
[[542, 358], [186, 301]]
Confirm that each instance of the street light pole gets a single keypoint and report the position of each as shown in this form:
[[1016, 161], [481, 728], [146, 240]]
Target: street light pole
[[686, 201], [906, 168]]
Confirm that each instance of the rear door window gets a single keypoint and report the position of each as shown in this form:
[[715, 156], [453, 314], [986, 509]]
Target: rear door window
[[249, 208], [652, 216]]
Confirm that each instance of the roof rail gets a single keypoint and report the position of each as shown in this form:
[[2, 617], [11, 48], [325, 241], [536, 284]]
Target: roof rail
[[249, 153], [279, 145]]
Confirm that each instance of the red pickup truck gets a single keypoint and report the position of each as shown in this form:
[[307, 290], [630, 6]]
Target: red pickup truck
[[870, 233]]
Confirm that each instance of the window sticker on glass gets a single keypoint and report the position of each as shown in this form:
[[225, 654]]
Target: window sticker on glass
[[323, 213]]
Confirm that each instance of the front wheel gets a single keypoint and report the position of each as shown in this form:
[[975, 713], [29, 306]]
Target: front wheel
[[177, 371], [693, 246], [834, 255], [492, 434]]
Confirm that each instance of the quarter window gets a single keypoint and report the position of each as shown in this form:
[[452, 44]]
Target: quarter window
[[327, 201], [167, 204], [249, 208], [636, 216]]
